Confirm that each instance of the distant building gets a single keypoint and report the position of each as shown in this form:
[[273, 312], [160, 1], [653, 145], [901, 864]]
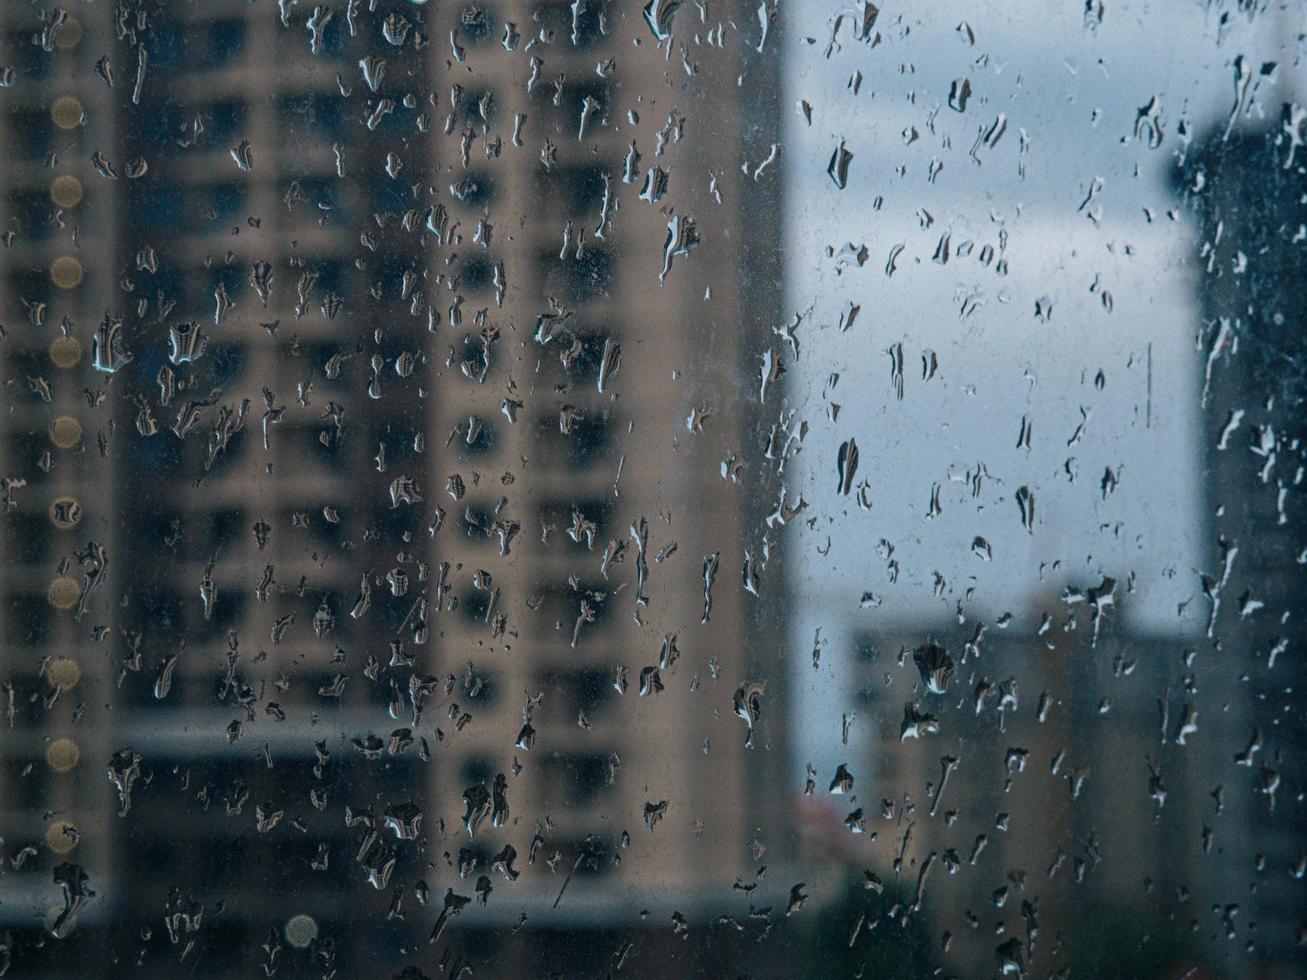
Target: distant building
[[1248, 188]]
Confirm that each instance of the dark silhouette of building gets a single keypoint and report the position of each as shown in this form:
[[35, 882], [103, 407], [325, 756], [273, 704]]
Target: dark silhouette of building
[[1247, 185]]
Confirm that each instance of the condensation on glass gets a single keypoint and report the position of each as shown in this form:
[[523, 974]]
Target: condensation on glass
[[697, 489]]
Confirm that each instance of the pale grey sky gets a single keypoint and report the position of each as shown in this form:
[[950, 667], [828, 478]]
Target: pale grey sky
[[1076, 227]]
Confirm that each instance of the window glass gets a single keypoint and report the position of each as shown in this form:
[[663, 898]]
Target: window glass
[[670, 489]]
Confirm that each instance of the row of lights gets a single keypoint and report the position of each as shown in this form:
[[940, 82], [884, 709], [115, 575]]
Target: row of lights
[[66, 191], [66, 272], [63, 754]]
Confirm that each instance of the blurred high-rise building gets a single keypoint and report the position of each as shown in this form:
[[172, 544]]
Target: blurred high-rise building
[[255, 469], [585, 437], [382, 357]]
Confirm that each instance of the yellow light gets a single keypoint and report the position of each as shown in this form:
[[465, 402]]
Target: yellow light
[[64, 592], [66, 191], [65, 432], [66, 112], [61, 836], [65, 351], [70, 35], [65, 513], [65, 673], [63, 755], [66, 272], [301, 930]]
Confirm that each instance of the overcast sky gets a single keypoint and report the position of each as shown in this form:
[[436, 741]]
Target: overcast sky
[[1039, 336], [1088, 218]]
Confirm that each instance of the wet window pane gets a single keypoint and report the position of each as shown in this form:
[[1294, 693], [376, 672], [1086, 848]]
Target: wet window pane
[[685, 490]]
